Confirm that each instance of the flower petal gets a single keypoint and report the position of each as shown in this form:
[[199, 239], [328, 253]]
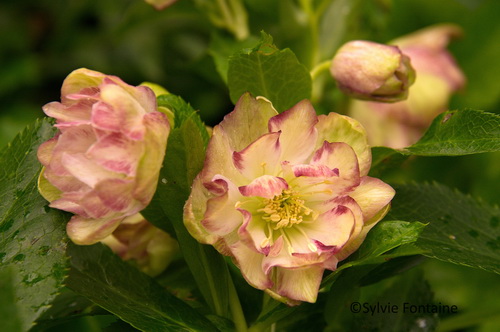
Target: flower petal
[[265, 186], [340, 128], [84, 169], [372, 195], [259, 158], [298, 133], [107, 191], [338, 156], [300, 284], [248, 121], [115, 152], [221, 216], [331, 230], [250, 264], [85, 231]]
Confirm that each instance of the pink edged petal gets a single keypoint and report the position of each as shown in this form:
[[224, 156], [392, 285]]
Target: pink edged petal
[[129, 108], [372, 195], [300, 284], [116, 195], [265, 186], [117, 153], [357, 238], [194, 211], [259, 158], [84, 169], [73, 140], [340, 128], [106, 117], [298, 132], [70, 203], [250, 264], [217, 159], [78, 113], [317, 171], [93, 206], [155, 145], [78, 80], [338, 156], [253, 234], [46, 150], [65, 183], [85, 231], [221, 216], [247, 122], [331, 230]]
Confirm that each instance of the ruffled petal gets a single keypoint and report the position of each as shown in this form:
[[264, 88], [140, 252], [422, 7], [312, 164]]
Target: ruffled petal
[[372, 195], [117, 153], [265, 186], [259, 158], [298, 132], [299, 284], [339, 128], [250, 264], [155, 145], [84, 169], [339, 156], [221, 216], [248, 121], [85, 231], [331, 230], [130, 110], [194, 211]]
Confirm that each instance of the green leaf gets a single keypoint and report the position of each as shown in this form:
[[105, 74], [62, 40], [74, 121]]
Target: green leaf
[[461, 229], [183, 161], [32, 236], [182, 112], [402, 295], [383, 238], [222, 47], [452, 133], [134, 297], [456, 133], [267, 71]]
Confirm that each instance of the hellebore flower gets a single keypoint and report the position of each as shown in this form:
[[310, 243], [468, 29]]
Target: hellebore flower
[[138, 241], [401, 124], [104, 162], [372, 71], [286, 196]]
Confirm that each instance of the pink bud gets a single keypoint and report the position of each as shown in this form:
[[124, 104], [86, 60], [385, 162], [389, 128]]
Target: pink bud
[[372, 71]]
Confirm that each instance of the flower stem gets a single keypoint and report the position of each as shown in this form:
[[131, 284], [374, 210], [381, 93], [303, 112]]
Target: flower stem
[[236, 310], [319, 68]]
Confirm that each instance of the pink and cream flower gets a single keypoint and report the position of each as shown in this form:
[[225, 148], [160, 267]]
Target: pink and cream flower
[[104, 162], [285, 195]]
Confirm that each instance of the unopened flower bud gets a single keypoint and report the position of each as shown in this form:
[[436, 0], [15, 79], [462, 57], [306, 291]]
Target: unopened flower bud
[[401, 124], [371, 71], [104, 162], [143, 245]]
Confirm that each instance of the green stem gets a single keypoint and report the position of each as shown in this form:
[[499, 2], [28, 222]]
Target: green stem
[[319, 68], [236, 310]]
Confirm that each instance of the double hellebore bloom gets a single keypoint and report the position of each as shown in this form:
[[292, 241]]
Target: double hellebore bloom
[[138, 241], [286, 196], [104, 162], [372, 71], [400, 124]]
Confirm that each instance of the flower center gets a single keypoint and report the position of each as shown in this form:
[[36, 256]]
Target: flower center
[[284, 210]]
